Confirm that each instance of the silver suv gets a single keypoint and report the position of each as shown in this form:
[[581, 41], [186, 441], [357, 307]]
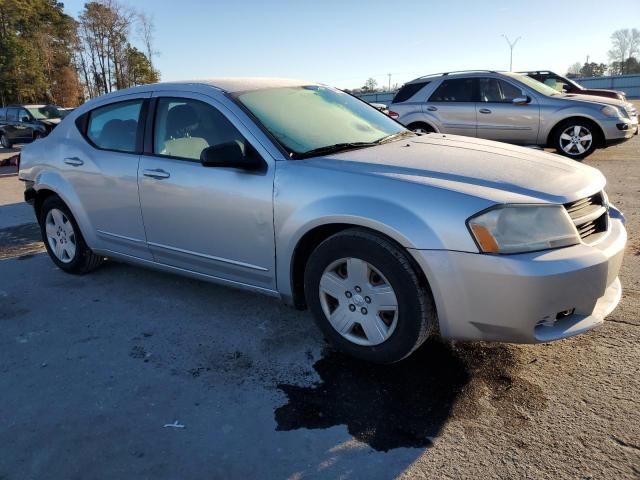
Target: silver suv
[[303, 192], [512, 107]]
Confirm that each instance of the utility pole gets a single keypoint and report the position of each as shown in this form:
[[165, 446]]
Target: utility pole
[[511, 45], [389, 89]]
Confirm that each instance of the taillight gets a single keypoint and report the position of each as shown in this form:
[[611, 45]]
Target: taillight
[[393, 114]]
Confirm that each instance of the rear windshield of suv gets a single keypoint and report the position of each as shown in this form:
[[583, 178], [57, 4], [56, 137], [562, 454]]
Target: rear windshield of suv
[[408, 91]]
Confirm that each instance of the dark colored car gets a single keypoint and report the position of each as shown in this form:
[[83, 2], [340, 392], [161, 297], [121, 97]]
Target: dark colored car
[[26, 123], [566, 85]]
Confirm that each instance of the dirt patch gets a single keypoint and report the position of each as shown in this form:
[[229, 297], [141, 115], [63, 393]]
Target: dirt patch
[[408, 403], [20, 241]]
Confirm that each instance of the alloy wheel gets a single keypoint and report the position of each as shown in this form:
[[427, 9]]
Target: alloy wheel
[[576, 140], [60, 235], [358, 301]]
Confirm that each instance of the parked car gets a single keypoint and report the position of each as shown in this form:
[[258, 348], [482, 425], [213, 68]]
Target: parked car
[[26, 123], [303, 192], [512, 107], [567, 85], [380, 106], [64, 111]]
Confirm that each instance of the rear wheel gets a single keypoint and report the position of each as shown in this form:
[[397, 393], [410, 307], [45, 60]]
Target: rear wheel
[[367, 298], [420, 127], [4, 141], [576, 138], [63, 239]]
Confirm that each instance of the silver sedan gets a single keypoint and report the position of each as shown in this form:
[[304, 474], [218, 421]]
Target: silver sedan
[[303, 192]]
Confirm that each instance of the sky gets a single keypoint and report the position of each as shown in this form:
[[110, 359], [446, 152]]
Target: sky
[[342, 43]]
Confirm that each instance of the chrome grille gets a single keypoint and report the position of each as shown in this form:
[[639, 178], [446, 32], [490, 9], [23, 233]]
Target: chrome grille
[[590, 216]]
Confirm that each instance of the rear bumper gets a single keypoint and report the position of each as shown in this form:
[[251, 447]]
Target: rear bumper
[[518, 298]]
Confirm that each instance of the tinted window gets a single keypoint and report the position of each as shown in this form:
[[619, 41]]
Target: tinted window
[[3, 114], [459, 90], [115, 126], [184, 128], [23, 115], [12, 114], [408, 91], [497, 91]]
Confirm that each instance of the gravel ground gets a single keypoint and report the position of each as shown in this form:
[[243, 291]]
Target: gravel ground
[[99, 373]]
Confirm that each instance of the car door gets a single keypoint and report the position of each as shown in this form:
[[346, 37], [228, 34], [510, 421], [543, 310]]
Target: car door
[[11, 126], [452, 106], [24, 126], [216, 221], [499, 118], [101, 163]]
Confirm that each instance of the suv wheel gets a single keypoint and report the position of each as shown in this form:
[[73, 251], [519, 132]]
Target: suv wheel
[[421, 128], [4, 141], [63, 239], [575, 139], [367, 298]]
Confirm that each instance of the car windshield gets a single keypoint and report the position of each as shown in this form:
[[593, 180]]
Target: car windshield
[[314, 120], [533, 83], [44, 112]]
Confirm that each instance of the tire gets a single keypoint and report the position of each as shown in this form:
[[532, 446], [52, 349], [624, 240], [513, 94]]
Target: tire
[[4, 141], [369, 332], [420, 127], [576, 138], [74, 256]]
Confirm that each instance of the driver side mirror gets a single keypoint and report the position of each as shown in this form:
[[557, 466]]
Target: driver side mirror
[[521, 100], [230, 154]]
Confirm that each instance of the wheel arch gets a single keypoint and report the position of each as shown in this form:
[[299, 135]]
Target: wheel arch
[[597, 129], [412, 125], [314, 237]]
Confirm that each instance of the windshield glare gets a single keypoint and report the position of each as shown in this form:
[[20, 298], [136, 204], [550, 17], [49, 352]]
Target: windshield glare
[[46, 112], [533, 83], [306, 118]]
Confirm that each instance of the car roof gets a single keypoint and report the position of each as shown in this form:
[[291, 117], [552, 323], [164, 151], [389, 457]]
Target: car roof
[[233, 84], [457, 74]]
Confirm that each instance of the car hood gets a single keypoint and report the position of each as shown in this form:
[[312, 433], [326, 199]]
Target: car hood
[[51, 121], [491, 170], [595, 99], [602, 91]]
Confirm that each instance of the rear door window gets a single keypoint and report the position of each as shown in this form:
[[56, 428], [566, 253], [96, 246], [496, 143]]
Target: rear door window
[[455, 90], [12, 114], [115, 126], [3, 114]]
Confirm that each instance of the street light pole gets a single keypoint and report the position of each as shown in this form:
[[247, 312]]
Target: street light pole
[[511, 45]]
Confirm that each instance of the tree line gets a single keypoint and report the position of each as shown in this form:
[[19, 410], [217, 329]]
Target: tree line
[[624, 57], [47, 56]]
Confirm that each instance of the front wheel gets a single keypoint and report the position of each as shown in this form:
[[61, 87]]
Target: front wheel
[[63, 239], [576, 139], [367, 297]]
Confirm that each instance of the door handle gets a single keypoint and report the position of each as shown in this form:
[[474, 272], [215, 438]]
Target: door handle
[[156, 173], [73, 161], [431, 108], [484, 110]]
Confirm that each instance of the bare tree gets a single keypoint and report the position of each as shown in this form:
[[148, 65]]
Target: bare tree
[[146, 29], [370, 85], [574, 69], [626, 43]]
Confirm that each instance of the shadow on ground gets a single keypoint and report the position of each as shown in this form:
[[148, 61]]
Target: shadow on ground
[[408, 403]]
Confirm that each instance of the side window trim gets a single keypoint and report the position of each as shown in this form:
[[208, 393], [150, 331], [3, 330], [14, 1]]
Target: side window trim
[[82, 123]]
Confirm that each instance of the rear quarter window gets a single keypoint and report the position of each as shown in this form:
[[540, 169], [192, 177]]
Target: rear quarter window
[[408, 91]]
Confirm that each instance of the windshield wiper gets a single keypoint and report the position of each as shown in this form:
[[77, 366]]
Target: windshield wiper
[[338, 147]]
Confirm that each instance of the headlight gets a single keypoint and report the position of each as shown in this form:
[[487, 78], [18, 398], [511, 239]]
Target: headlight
[[523, 228], [611, 111]]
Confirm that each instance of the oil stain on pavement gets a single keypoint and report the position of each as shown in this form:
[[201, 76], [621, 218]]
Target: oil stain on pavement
[[408, 403]]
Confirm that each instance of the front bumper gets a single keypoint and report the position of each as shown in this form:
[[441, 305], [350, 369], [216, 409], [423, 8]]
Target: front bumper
[[617, 131], [521, 298]]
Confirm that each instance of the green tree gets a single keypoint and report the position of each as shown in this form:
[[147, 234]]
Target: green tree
[[593, 69]]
